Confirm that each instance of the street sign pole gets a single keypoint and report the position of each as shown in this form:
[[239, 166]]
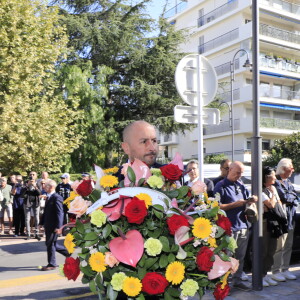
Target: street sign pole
[[200, 122]]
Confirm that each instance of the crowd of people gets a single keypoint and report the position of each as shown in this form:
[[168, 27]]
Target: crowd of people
[[25, 202]]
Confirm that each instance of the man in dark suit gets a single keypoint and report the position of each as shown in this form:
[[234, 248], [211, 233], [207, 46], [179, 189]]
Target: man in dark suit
[[52, 220]]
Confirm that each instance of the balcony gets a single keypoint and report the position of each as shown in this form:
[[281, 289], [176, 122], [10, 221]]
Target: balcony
[[280, 64], [280, 93], [283, 5], [181, 6], [219, 41], [221, 128], [279, 123], [279, 34], [226, 97], [217, 13]]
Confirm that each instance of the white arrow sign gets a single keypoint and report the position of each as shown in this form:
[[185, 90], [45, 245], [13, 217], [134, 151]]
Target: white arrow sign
[[186, 79], [189, 114]]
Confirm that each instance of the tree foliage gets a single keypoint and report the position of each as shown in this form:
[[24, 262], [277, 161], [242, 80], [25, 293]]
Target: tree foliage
[[131, 62], [288, 147], [38, 126]]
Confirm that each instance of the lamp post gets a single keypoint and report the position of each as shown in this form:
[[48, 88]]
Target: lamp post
[[246, 64]]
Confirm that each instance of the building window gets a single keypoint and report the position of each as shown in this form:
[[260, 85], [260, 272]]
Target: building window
[[282, 115], [265, 145]]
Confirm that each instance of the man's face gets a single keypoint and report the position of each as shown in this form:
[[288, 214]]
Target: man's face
[[288, 171], [225, 168], [142, 144], [45, 175], [13, 179], [194, 173], [33, 175], [3, 183], [47, 188], [235, 173]]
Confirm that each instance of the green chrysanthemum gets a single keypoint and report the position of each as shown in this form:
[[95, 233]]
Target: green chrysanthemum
[[189, 287], [98, 218], [117, 281], [153, 246], [155, 182], [155, 171]]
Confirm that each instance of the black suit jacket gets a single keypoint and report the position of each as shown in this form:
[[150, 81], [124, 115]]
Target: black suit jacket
[[53, 214]]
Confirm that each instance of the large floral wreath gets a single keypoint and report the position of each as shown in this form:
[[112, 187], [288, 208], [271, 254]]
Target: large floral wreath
[[148, 235]]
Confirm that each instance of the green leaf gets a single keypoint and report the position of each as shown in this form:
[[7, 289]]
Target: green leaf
[[158, 207], [158, 214], [171, 257], [182, 192], [90, 243], [163, 261], [87, 271], [111, 293], [93, 287], [219, 232], [141, 273], [79, 227], [141, 182], [82, 255], [223, 256], [140, 297], [95, 195], [165, 243], [131, 175], [90, 236], [106, 231], [150, 262], [173, 292], [167, 296]]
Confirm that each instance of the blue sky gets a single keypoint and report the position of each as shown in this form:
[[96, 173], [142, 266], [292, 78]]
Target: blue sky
[[155, 7]]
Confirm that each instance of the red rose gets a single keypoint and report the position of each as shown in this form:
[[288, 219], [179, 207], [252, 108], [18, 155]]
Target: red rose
[[204, 259], [224, 223], [84, 188], [175, 222], [219, 293], [171, 172], [136, 211], [71, 268], [154, 283]]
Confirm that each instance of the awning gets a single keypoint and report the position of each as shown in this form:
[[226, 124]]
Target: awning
[[278, 75], [286, 107]]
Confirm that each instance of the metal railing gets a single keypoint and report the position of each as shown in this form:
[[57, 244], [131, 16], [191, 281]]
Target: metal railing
[[283, 5], [219, 41], [176, 9], [218, 12], [222, 127], [225, 68], [280, 34], [277, 92], [226, 97], [280, 123], [271, 62]]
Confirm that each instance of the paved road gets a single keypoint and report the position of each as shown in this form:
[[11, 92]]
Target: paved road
[[20, 277]]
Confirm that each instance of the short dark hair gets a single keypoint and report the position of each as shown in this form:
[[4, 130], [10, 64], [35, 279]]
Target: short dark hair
[[266, 172]]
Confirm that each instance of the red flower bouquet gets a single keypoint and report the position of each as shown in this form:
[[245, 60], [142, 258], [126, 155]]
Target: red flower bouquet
[[154, 283]]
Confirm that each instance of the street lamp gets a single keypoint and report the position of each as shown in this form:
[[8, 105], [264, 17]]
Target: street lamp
[[246, 64]]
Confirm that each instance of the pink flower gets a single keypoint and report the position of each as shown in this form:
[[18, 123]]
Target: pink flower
[[75, 184], [79, 206], [110, 260], [124, 169], [198, 187]]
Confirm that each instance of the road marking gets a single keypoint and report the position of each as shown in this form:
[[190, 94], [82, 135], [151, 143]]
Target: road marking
[[77, 296], [29, 280]]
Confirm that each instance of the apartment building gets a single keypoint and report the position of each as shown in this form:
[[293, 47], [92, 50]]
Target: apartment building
[[221, 30]]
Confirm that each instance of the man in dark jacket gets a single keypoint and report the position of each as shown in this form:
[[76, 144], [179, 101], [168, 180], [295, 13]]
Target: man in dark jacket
[[52, 220], [289, 199]]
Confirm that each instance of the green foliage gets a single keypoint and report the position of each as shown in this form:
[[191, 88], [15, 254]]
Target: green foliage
[[288, 147], [214, 158], [129, 71], [38, 127]]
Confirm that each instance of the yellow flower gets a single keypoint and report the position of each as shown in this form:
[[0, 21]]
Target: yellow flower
[[214, 204], [146, 198], [224, 280], [212, 242], [132, 286], [108, 181], [69, 243], [97, 262], [111, 170], [73, 195], [202, 228], [175, 272]]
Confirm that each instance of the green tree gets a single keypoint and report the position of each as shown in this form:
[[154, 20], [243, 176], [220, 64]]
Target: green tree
[[288, 147], [131, 72], [38, 128]]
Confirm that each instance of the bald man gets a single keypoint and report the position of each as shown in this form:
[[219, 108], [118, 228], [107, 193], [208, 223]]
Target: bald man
[[233, 197], [140, 141]]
